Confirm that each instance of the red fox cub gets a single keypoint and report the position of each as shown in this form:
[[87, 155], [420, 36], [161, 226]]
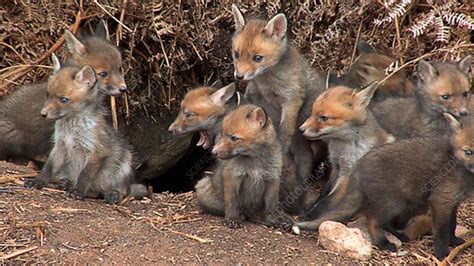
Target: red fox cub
[[87, 153], [281, 81], [370, 66], [246, 183], [203, 109], [441, 87], [104, 57], [408, 175], [25, 134], [342, 118]]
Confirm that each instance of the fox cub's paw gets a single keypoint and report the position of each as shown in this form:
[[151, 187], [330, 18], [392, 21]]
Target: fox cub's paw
[[35, 183], [281, 221], [113, 197], [233, 223], [76, 194]]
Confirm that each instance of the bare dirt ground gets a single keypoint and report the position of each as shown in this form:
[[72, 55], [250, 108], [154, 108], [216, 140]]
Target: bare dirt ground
[[49, 227]]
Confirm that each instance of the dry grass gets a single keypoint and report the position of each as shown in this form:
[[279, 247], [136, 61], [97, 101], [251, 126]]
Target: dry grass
[[169, 47]]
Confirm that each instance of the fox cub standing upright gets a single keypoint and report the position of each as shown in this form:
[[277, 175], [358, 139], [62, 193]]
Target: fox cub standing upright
[[407, 175], [247, 181], [282, 82], [441, 87], [25, 134], [87, 154], [341, 117], [203, 109]]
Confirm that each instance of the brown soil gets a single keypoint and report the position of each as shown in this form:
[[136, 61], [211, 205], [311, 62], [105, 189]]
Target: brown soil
[[167, 229]]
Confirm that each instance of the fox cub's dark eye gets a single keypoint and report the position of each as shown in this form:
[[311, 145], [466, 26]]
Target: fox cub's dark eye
[[257, 58], [103, 74], [63, 99], [234, 138], [188, 115], [466, 93], [323, 118], [236, 55], [468, 152], [445, 97]]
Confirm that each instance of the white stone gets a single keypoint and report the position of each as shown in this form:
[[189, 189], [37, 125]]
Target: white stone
[[349, 242]]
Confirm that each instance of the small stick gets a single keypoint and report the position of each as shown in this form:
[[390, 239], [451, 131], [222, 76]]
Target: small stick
[[456, 251], [399, 42], [355, 44], [11, 178], [187, 221], [108, 13], [53, 190], [30, 225], [18, 253], [201, 240], [20, 175], [113, 107], [70, 210]]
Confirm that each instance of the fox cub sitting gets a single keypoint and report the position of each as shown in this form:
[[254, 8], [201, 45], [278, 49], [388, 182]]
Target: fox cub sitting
[[409, 175], [87, 152], [25, 134], [246, 183], [342, 117]]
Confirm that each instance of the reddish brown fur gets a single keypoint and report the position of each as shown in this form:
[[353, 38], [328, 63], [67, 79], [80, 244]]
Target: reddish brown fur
[[253, 40], [371, 66], [63, 85], [197, 101], [250, 134], [338, 103], [422, 114], [108, 61], [248, 177], [450, 82]]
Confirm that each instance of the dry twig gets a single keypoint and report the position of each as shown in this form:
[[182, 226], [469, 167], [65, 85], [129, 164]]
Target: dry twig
[[17, 253]]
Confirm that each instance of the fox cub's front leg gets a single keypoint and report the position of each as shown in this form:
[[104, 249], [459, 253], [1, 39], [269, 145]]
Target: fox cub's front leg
[[85, 178], [233, 217], [289, 117], [43, 178], [274, 214], [53, 166]]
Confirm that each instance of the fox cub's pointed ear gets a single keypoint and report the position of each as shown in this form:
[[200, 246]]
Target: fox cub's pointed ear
[[74, 46], [259, 116], [223, 95], [465, 64], [276, 27], [366, 94], [364, 47], [56, 63], [102, 31], [86, 77], [426, 71], [454, 123], [238, 18]]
